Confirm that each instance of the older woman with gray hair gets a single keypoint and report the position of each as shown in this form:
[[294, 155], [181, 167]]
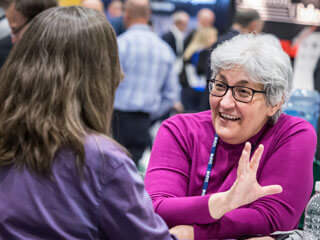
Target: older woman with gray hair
[[198, 161]]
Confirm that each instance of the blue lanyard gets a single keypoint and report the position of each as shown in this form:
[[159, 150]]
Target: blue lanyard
[[206, 179]]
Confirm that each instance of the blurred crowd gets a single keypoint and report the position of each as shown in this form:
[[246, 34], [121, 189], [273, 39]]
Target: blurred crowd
[[144, 93], [163, 75], [120, 79]]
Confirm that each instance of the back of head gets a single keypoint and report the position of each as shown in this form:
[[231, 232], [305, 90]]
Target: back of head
[[94, 4], [246, 18], [263, 61], [181, 20], [136, 11], [205, 18], [180, 16], [31, 8], [58, 85]]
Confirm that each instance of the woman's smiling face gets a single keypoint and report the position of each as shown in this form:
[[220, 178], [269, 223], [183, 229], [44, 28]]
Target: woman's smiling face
[[234, 121]]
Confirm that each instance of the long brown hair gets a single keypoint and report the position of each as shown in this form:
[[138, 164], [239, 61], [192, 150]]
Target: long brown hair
[[57, 85]]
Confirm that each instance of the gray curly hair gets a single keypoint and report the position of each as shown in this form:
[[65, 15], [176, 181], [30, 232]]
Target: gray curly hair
[[263, 61]]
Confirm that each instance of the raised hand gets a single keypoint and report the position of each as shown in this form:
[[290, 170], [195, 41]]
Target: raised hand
[[245, 189]]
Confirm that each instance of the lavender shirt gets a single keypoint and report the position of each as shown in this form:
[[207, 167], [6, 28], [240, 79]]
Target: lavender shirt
[[110, 202], [179, 161]]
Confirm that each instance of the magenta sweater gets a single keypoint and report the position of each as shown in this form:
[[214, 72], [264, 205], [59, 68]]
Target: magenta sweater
[[179, 161]]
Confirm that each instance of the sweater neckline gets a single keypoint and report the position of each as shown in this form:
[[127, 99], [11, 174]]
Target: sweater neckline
[[254, 141]]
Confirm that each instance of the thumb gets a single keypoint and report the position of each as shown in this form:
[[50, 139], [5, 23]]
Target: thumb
[[271, 189]]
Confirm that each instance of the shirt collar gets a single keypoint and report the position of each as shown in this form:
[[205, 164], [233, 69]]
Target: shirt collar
[[254, 140], [144, 27]]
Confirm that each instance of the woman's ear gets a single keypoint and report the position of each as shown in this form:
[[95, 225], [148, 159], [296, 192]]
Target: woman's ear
[[275, 108]]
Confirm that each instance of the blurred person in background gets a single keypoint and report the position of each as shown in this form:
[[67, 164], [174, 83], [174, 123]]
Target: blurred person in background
[[118, 25], [205, 18], [4, 25], [94, 4], [245, 21], [19, 13], [194, 84], [115, 9], [175, 36], [114, 14], [5, 37], [62, 176], [106, 3], [196, 158], [150, 86]]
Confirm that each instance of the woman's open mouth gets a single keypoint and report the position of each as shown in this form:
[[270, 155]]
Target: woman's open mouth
[[228, 117]]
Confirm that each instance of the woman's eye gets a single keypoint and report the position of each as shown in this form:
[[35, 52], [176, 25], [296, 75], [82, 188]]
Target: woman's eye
[[220, 86], [243, 91]]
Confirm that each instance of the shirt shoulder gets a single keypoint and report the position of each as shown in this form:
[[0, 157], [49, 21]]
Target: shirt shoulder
[[161, 46], [195, 118], [103, 154], [168, 36], [143, 36], [191, 123], [288, 122], [293, 129]]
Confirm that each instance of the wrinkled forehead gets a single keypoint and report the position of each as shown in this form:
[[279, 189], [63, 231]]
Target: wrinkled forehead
[[237, 75], [236, 69]]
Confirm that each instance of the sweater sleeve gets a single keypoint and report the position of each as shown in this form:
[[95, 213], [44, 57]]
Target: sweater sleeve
[[167, 180], [288, 162], [125, 210]]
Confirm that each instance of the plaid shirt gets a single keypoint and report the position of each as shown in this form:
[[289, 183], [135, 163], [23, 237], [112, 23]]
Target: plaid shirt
[[150, 84]]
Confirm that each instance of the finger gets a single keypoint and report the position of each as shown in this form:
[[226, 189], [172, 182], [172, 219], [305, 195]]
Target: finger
[[271, 189], [244, 160], [255, 160]]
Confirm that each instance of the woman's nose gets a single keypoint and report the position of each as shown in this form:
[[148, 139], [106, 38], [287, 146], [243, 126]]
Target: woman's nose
[[227, 100]]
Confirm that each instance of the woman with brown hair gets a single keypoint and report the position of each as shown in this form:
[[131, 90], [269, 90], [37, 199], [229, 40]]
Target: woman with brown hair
[[61, 174]]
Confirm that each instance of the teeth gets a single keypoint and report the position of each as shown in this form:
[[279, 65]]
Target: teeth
[[229, 116]]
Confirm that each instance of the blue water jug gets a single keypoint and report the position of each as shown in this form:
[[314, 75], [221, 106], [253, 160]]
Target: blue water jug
[[305, 104]]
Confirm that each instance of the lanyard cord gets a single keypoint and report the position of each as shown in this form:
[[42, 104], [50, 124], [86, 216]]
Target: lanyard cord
[[210, 163], [211, 158]]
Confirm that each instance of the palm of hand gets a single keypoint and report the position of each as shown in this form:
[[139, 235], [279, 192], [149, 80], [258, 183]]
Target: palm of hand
[[246, 189]]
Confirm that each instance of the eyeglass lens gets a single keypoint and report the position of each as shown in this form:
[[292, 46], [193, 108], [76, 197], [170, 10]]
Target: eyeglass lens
[[219, 89]]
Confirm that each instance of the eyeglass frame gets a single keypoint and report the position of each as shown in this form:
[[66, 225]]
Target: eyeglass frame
[[211, 81]]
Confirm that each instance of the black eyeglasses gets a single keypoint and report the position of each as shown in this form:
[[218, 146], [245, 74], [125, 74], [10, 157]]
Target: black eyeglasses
[[241, 94]]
